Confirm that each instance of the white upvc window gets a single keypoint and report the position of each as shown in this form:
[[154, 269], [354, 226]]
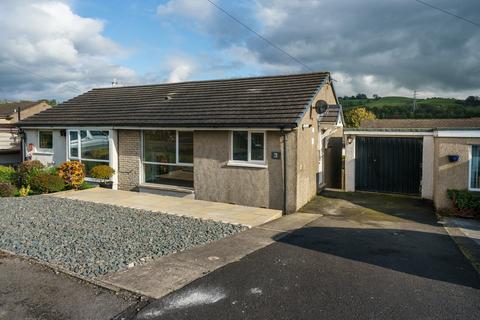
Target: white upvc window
[[45, 140], [474, 168], [91, 147], [168, 157], [248, 147]]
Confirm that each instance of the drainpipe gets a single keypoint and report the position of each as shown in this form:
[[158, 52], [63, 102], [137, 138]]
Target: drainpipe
[[21, 134], [284, 135]]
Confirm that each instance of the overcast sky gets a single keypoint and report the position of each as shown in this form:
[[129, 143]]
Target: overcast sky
[[59, 49]]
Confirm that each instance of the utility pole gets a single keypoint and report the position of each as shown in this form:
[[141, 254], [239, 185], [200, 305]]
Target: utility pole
[[414, 101]]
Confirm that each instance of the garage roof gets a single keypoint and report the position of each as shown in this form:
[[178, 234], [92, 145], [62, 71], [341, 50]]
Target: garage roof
[[266, 102], [417, 124]]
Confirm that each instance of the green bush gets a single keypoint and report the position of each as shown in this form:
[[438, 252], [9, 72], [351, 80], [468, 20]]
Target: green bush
[[7, 174], [44, 182], [102, 172], [85, 185], [464, 199], [26, 171], [7, 189], [50, 170]]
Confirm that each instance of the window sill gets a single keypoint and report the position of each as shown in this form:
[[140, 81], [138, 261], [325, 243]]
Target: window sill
[[43, 152], [166, 187], [246, 165]]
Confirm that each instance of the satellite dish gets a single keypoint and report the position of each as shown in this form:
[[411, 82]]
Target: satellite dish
[[321, 106]]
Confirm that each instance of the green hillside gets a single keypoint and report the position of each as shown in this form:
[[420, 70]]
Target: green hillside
[[402, 107]]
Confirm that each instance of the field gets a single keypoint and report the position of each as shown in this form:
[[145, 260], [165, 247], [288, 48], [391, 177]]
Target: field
[[402, 107]]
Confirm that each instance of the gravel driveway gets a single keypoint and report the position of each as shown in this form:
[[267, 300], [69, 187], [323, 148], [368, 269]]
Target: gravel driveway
[[94, 239]]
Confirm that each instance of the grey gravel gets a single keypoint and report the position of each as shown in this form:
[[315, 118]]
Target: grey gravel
[[95, 239]]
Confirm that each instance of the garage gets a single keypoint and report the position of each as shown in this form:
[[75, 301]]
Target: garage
[[388, 164]]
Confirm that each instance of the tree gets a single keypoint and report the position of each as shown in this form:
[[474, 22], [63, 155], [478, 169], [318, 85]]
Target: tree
[[361, 96], [354, 117], [376, 96], [472, 101]]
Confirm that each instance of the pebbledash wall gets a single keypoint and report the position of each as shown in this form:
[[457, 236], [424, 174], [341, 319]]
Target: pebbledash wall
[[451, 175]]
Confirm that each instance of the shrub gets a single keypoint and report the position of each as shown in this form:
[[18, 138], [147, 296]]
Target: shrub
[[24, 191], [85, 185], [7, 189], [72, 173], [27, 170], [102, 172], [7, 174], [47, 183], [51, 170], [466, 203]]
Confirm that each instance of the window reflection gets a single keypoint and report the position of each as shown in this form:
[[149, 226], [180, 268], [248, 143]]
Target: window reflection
[[94, 144]]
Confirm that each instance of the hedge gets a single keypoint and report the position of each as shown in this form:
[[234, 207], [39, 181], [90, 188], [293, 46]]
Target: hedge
[[466, 203]]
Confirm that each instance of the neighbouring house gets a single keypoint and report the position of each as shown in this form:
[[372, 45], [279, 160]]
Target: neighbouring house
[[418, 157], [250, 141], [10, 114]]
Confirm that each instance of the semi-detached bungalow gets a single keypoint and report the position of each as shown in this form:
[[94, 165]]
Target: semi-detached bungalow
[[418, 157], [251, 141]]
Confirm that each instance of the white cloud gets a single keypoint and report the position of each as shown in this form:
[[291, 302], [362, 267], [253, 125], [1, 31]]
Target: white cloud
[[48, 51], [180, 73], [180, 69], [197, 9]]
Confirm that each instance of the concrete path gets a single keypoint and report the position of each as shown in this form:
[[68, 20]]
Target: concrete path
[[31, 291], [166, 274], [466, 232], [223, 212], [369, 257]]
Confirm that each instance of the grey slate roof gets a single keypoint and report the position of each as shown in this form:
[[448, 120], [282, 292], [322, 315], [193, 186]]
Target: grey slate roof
[[8, 109], [421, 123], [331, 115], [267, 102]]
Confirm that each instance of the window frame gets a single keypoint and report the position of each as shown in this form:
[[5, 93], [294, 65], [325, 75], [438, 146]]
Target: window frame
[[176, 164], [79, 146], [249, 160], [38, 138], [470, 163]]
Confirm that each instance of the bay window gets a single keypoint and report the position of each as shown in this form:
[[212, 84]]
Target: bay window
[[91, 147], [248, 147], [168, 157], [474, 183]]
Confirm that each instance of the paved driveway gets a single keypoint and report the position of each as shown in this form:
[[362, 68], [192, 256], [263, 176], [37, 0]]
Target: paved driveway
[[368, 257]]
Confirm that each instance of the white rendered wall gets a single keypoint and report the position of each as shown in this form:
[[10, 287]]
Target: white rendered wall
[[427, 167], [350, 165], [55, 156]]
